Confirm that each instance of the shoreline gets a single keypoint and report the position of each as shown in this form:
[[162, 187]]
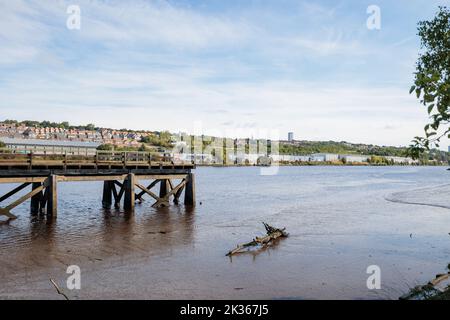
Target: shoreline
[[323, 164]]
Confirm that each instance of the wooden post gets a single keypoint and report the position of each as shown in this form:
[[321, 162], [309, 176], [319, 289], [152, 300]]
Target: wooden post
[[163, 188], [129, 192], [52, 196], [189, 192], [31, 160], [35, 205], [107, 194]]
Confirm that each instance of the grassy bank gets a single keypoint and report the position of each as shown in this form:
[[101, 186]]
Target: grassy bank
[[436, 289]]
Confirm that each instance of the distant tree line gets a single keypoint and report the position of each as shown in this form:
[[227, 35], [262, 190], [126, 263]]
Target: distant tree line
[[49, 124], [343, 147]]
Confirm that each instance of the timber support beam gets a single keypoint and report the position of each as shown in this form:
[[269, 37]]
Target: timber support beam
[[168, 190], [189, 193], [44, 197], [130, 196], [39, 199]]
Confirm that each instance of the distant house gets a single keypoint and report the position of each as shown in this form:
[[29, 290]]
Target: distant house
[[72, 136], [60, 136], [29, 134], [106, 135], [133, 136]]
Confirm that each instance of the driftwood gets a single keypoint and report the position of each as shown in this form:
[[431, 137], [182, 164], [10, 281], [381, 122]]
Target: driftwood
[[272, 234]]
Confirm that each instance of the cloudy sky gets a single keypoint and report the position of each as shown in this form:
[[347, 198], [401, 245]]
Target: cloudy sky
[[229, 67]]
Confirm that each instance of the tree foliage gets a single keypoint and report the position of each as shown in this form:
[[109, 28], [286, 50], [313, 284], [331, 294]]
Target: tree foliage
[[161, 139], [432, 82], [309, 147], [105, 147]]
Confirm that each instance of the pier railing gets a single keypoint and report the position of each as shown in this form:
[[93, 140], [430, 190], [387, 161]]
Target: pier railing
[[101, 158]]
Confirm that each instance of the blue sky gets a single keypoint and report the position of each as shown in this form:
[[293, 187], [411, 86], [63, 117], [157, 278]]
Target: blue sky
[[231, 68]]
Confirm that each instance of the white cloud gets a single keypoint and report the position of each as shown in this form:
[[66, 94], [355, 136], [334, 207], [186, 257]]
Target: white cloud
[[177, 100], [154, 65], [158, 23]]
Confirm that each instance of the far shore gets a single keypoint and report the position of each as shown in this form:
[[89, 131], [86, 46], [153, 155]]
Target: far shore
[[336, 164]]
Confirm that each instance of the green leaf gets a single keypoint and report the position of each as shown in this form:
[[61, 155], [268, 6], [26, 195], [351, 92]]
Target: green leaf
[[418, 93]]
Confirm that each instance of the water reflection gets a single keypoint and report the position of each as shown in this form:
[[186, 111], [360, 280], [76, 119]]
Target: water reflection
[[90, 235]]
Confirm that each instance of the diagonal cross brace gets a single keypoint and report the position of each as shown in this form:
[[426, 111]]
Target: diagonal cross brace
[[164, 201], [6, 210]]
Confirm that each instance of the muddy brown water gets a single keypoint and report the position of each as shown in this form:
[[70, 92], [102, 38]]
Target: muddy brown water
[[340, 221]]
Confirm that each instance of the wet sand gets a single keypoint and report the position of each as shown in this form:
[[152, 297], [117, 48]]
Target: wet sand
[[340, 220]]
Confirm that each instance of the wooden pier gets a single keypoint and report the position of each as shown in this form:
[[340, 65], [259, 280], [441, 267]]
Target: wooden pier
[[123, 175]]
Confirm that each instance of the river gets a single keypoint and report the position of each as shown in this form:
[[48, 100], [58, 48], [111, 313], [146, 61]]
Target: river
[[340, 221]]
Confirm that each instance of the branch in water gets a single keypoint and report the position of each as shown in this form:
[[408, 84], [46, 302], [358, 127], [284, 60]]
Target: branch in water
[[272, 234], [58, 290]]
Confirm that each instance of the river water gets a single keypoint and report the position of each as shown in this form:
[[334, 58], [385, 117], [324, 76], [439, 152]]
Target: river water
[[340, 220]]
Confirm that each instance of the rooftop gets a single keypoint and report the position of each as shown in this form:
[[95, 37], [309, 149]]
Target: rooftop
[[49, 143]]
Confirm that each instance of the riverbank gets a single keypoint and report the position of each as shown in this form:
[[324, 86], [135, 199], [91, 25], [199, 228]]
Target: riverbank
[[436, 289], [322, 163]]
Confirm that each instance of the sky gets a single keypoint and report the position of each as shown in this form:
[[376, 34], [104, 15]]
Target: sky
[[229, 68]]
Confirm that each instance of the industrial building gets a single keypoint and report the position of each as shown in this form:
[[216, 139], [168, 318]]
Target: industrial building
[[50, 146]]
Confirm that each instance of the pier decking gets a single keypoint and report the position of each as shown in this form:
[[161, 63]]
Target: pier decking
[[122, 174]]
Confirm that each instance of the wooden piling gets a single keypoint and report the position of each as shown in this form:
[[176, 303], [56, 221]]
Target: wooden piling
[[130, 196], [107, 194], [163, 188], [189, 192], [36, 200], [52, 196]]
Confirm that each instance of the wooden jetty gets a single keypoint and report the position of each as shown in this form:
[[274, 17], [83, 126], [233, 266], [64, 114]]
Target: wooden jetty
[[123, 175]]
